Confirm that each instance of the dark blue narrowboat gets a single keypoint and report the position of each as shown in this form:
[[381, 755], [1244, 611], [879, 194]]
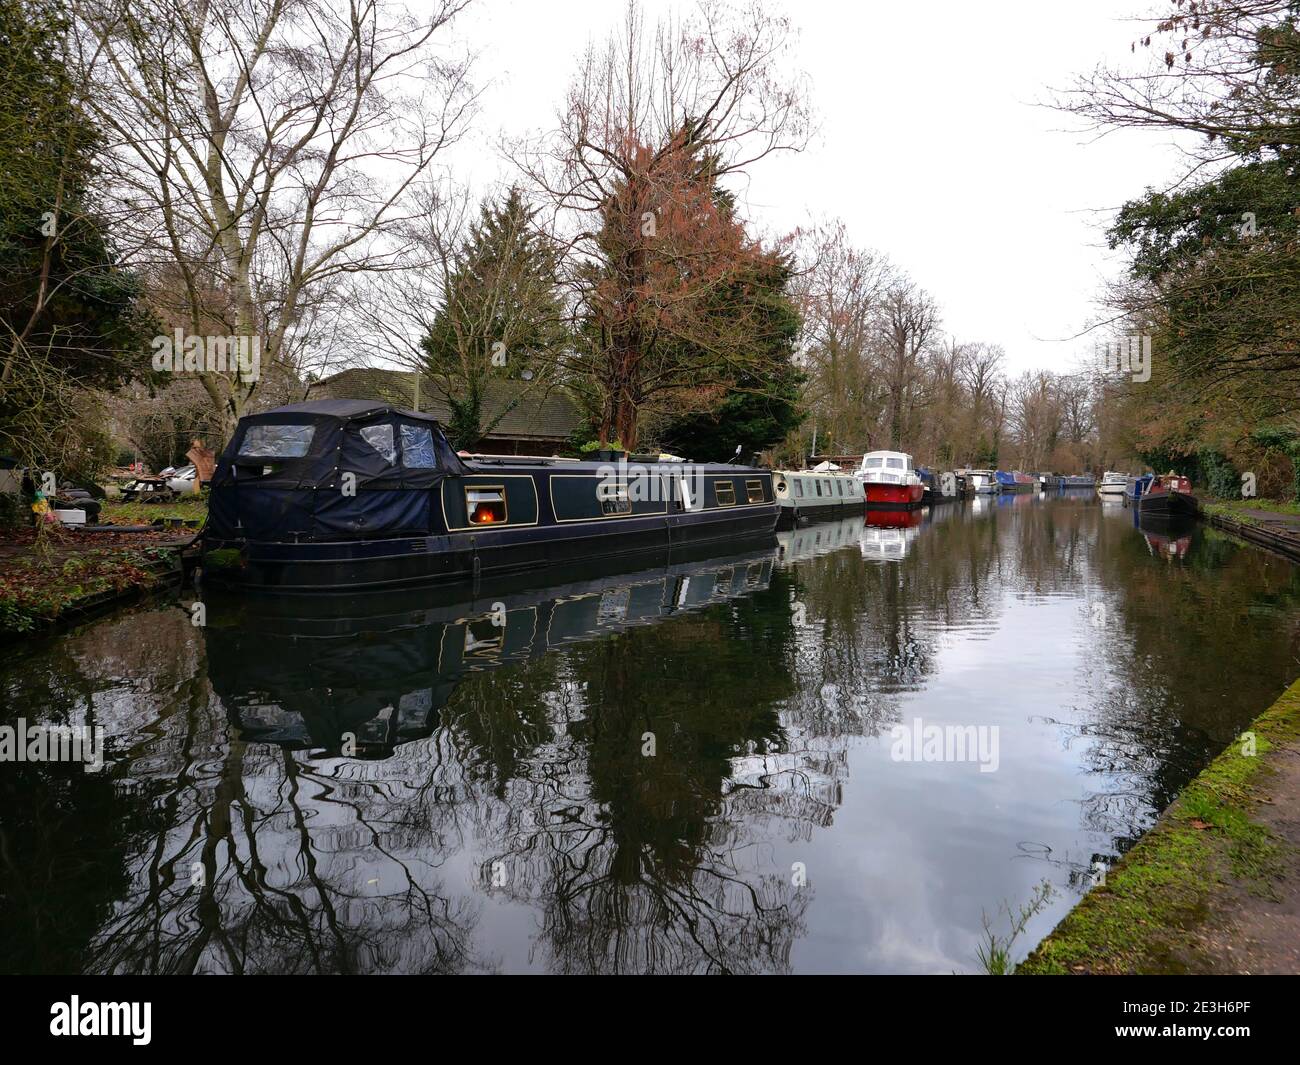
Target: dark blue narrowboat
[[340, 494]]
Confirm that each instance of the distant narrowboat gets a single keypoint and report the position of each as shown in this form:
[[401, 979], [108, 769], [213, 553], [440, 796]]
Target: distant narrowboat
[[1015, 481], [889, 481], [340, 494], [816, 493]]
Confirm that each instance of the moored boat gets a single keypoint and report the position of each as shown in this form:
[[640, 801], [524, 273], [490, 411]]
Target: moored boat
[[981, 482], [1168, 496], [889, 481], [1078, 481], [339, 494], [938, 487], [1015, 481], [1112, 484], [816, 493]]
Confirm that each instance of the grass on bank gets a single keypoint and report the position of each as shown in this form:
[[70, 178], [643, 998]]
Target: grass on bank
[[1144, 918], [1238, 509], [121, 512]]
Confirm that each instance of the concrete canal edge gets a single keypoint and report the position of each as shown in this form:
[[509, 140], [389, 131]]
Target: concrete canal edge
[[1283, 538], [1213, 887]]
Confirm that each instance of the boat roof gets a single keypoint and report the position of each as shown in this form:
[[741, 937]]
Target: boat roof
[[888, 454], [342, 409]]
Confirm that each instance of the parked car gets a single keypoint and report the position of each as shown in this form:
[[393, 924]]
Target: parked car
[[183, 480]]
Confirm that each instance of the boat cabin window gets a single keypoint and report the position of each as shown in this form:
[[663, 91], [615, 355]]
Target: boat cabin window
[[754, 491], [828, 489], [894, 464], [818, 485], [277, 441], [485, 505], [614, 499], [839, 488], [417, 448], [798, 487], [380, 437], [726, 492], [873, 464]]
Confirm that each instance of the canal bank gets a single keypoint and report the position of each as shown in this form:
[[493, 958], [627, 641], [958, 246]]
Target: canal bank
[[74, 576], [1213, 887], [1273, 530]]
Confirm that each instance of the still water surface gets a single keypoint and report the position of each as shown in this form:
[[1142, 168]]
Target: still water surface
[[498, 808]]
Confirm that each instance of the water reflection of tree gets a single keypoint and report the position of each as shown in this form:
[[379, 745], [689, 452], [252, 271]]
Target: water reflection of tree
[[629, 855], [1185, 654]]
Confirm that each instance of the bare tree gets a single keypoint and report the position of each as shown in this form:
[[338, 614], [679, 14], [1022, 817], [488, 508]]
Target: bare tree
[[839, 290], [266, 147]]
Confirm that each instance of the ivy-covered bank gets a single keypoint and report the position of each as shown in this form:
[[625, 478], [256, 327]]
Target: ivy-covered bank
[[1218, 866]]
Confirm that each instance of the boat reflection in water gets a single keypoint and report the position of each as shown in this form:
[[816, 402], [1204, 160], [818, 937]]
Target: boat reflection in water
[[1168, 537], [359, 674], [888, 534], [809, 541]]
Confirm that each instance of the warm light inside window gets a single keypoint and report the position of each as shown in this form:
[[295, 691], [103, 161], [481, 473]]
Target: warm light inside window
[[485, 506]]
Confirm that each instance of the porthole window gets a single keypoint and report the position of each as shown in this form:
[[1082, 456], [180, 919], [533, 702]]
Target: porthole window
[[754, 491], [726, 492], [485, 505]]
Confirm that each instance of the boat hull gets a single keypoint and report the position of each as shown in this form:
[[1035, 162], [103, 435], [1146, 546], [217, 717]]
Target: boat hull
[[355, 564], [893, 496], [1167, 504]]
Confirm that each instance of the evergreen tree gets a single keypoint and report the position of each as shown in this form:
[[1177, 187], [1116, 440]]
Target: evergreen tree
[[501, 316]]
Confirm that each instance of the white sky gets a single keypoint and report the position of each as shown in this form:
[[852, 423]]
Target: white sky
[[931, 146]]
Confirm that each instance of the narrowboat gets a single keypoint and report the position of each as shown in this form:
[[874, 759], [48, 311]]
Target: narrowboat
[[1049, 481], [338, 494], [889, 481], [1168, 496], [938, 487], [815, 493], [1112, 484], [1076, 481], [1015, 481]]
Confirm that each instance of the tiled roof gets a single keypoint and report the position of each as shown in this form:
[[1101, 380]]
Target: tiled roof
[[540, 414]]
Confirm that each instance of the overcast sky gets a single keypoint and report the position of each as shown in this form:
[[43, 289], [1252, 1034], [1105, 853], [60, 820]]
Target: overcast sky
[[933, 146]]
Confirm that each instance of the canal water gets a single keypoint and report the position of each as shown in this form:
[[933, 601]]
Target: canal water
[[851, 750]]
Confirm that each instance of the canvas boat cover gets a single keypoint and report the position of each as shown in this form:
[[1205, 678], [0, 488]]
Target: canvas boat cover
[[330, 470]]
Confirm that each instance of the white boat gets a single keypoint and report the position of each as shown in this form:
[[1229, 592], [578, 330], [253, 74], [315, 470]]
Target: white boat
[[815, 493], [889, 480], [982, 482], [1112, 484]]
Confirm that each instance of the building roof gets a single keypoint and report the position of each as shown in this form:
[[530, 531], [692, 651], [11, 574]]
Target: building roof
[[539, 413]]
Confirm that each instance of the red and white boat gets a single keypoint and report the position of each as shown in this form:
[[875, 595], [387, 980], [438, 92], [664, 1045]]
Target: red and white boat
[[889, 482]]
